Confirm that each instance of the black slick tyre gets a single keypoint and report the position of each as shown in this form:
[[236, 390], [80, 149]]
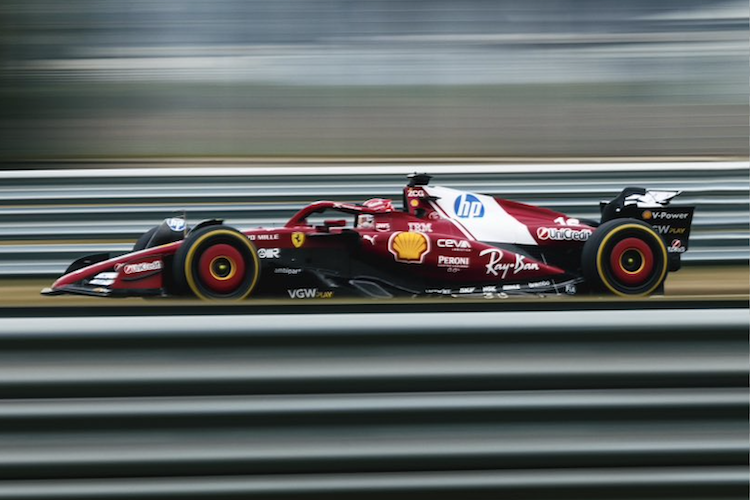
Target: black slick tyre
[[625, 257], [217, 263]]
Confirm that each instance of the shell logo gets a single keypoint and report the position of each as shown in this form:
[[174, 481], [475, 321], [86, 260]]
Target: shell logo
[[647, 214], [409, 247]]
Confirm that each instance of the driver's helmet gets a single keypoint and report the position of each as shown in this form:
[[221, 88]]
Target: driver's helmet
[[379, 204]]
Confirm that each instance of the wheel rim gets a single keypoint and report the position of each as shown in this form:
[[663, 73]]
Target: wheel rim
[[221, 269], [616, 246], [632, 261]]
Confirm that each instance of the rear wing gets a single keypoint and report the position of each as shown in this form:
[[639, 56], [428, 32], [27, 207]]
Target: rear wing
[[672, 223]]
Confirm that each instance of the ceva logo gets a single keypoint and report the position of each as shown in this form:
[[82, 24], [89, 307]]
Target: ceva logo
[[468, 206]]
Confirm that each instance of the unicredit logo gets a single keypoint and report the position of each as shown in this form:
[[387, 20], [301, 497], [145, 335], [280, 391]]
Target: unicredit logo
[[468, 206], [142, 267], [562, 234]]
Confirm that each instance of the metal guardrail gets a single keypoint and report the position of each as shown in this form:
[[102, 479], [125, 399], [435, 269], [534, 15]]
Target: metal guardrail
[[50, 217], [578, 404]]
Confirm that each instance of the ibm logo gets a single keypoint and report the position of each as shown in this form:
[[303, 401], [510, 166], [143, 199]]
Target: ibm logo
[[468, 206]]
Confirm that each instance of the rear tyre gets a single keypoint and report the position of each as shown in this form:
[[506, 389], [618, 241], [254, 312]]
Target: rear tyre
[[625, 257], [217, 263]]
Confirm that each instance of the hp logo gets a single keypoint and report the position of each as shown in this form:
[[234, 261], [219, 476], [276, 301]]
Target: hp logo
[[467, 206]]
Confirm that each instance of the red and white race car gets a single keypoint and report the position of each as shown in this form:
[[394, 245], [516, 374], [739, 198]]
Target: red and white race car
[[442, 242]]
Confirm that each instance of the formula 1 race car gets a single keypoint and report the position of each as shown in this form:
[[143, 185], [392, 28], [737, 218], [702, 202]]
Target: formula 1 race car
[[443, 242]]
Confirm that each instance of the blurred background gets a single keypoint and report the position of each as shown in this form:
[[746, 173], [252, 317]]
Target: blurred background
[[373, 78], [587, 399]]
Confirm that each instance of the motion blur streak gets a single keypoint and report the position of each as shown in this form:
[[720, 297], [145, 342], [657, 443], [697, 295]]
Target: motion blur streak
[[585, 404], [628, 404], [375, 77], [52, 216]]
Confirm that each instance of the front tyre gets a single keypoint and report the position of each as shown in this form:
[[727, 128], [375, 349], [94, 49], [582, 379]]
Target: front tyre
[[625, 257], [217, 263]]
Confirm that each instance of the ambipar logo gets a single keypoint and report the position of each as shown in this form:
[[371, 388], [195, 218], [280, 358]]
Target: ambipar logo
[[468, 206]]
